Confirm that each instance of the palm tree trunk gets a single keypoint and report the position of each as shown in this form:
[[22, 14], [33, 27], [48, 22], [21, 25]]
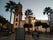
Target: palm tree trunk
[[10, 21], [49, 20], [10, 16]]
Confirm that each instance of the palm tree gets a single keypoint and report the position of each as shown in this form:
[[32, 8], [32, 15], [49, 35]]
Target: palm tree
[[28, 14], [48, 11], [10, 6]]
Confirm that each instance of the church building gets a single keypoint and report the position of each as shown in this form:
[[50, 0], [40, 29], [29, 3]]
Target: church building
[[18, 22]]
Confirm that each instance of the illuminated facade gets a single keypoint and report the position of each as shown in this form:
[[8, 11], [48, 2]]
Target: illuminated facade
[[18, 22]]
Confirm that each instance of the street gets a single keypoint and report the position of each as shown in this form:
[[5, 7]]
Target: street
[[41, 37], [10, 37], [28, 37]]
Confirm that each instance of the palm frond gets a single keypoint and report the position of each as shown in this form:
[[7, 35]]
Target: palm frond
[[47, 10], [28, 12], [44, 13], [7, 6], [10, 6], [12, 3], [7, 9]]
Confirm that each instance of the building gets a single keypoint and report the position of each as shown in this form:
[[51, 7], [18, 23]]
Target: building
[[18, 22], [18, 16]]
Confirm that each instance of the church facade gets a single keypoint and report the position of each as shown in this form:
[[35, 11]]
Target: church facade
[[18, 22]]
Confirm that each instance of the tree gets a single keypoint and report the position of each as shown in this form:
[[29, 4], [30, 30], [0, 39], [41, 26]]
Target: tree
[[26, 25], [10, 6], [2, 20], [28, 14], [3, 23], [45, 25], [38, 23], [48, 11]]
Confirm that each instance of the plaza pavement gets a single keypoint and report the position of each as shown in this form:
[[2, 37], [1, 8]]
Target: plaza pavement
[[28, 37]]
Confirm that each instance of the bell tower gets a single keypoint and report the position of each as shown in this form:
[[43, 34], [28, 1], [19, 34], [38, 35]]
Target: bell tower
[[18, 16]]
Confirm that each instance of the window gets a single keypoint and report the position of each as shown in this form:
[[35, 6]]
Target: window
[[16, 19], [16, 24], [34, 17]]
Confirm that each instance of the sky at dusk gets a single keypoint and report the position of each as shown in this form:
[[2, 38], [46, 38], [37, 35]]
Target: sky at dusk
[[37, 7]]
